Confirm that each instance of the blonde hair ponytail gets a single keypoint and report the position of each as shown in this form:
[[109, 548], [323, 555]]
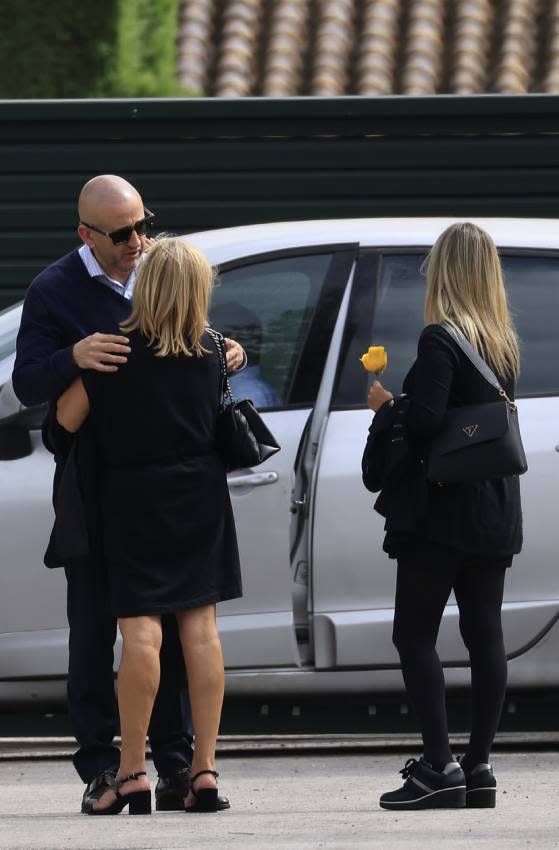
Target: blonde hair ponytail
[[465, 288]]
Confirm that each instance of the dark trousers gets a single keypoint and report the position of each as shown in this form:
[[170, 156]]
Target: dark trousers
[[422, 592], [91, 693]]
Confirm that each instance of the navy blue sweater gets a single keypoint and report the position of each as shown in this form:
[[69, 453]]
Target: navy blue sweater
[[62, 305]]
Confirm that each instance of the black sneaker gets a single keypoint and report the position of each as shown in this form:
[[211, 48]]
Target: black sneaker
[[481, 787], [426, 788]]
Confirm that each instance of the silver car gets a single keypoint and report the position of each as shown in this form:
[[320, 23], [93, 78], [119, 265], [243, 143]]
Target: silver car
[[306, 299]]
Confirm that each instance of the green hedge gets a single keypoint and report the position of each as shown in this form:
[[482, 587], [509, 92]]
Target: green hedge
[[145, 55], [107, 48]]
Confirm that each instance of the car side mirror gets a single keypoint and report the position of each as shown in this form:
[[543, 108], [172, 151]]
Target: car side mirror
[[15, 441], [16, 421]]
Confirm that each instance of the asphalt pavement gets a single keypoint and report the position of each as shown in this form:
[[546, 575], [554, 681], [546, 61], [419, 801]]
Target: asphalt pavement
[[297, 800]]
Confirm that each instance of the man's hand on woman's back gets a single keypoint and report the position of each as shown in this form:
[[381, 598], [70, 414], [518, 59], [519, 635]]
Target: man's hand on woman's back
[[103, 352]]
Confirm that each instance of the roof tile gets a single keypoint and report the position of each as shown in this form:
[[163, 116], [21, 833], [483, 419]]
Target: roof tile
[[335, 47]]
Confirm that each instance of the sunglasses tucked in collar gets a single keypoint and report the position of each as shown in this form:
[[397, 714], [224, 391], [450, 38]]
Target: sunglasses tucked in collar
[[122, 235]]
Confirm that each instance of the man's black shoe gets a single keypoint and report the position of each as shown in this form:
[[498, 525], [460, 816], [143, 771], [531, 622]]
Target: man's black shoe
[[426, 788], [96, 788], [481, 787], [170, 792]]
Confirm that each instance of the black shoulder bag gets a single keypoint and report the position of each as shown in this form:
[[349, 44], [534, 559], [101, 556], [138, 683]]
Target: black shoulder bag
[[242, 438], [478, 441]]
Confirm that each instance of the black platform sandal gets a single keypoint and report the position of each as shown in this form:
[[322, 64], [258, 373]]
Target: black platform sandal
[[206, 798], [138, 802]]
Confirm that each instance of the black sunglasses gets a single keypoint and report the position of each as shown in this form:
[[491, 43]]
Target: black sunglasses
[[123, 234]]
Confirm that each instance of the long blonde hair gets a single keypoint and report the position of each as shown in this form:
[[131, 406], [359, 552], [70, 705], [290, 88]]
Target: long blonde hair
[[465, 288], [171, 298]]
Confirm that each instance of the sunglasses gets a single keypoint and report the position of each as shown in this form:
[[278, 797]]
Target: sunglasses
[[123, 234]]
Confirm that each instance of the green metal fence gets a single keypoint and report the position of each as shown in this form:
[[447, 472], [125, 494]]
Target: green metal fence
[[206, 163]]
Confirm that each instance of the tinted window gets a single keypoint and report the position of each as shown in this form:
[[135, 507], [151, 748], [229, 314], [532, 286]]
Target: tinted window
[[269, 307], [386, 309], [533, 292], [9, 326], [398, 313], [390, 313]]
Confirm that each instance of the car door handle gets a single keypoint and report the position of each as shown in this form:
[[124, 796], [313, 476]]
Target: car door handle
[[253, 479], [557, 448]]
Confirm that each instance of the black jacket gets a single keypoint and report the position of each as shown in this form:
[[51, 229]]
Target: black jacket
[[481, 518], [74, 537]]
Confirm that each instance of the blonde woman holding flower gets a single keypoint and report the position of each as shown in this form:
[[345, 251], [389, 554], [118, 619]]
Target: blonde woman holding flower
[[455, 537], [167, 524]]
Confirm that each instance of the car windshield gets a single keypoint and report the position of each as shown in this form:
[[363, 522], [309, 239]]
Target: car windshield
[[9, 326]]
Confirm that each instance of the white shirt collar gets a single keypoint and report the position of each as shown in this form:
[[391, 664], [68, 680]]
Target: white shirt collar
[[95, 270]]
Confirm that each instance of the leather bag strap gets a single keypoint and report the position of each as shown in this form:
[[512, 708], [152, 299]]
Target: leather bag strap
[[473, 356]]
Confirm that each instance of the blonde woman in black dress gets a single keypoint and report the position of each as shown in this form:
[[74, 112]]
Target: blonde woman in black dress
[[168, 530]]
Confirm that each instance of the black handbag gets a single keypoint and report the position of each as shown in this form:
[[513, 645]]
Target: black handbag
[[387, 449], [478, 441], [242, 438]]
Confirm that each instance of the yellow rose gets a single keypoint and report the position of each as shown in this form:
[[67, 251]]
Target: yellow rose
[[375, 360]]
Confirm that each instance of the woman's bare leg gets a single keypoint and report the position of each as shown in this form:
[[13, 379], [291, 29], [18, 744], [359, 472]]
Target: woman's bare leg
[[204, 664], [138, 681]]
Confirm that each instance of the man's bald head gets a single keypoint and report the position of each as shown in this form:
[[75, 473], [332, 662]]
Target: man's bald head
[[109, 204], [106, 190]]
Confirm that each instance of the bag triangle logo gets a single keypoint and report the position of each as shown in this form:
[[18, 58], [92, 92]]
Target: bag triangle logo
[[470, 430]]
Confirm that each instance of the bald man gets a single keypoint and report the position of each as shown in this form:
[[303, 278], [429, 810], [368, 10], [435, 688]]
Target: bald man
[[70, 322]]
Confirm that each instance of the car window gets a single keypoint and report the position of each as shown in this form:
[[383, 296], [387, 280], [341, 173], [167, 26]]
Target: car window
[[7, 342], [6, 368], [390, 313], [533, 291], [386, 309], [268, 307], [398, 313], [9, 326]]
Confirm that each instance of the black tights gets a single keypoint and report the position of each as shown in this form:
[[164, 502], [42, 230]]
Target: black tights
[[421, 595]]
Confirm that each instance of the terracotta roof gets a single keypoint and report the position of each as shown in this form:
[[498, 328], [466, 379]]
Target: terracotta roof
[[283, 60], [335, 47]]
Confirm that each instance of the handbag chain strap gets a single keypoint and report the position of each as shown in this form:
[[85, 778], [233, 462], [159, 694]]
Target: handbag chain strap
[[226, 392], [477, 360]]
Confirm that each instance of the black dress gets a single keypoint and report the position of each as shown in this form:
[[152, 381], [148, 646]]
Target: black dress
[[479, 522], [168, 533]]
